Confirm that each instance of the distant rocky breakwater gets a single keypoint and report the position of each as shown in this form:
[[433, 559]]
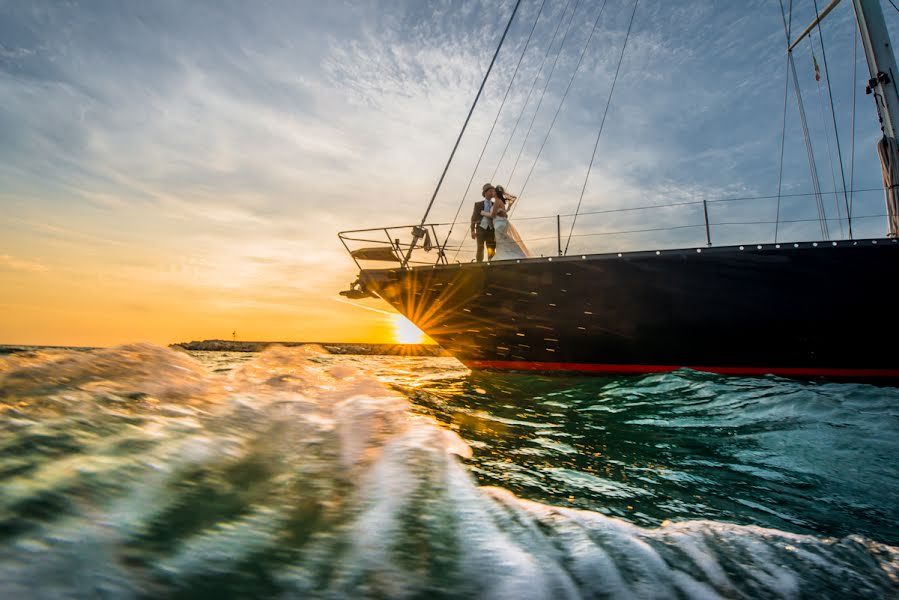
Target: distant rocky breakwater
[[332, 348]]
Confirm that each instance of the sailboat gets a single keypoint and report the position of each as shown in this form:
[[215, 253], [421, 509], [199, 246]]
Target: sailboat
[[817, 309]]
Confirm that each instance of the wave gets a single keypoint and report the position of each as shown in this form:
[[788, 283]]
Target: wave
[[136, 472]]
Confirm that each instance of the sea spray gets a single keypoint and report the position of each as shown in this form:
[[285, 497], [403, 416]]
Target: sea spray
[[136, 472]]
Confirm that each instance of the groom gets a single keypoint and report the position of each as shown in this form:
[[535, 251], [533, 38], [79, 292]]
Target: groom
[[481, 226]]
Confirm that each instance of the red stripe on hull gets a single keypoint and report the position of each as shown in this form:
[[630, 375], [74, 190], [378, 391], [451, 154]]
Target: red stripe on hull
[[511, 365]]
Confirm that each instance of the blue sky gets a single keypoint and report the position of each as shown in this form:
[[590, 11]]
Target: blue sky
[[182, 168]]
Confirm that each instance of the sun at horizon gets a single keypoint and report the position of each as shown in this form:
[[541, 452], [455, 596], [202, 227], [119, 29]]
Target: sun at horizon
[[405, 331]]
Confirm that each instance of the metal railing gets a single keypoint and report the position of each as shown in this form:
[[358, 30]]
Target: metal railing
[[400, 249], [626, 227]]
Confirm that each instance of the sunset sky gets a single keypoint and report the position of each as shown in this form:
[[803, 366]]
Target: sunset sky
[[176, 171]]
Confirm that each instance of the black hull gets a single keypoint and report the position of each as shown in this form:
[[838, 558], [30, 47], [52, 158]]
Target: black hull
[[809, 310]]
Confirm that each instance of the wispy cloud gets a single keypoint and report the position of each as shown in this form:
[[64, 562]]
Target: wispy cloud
[[16, 264], [218, 149]]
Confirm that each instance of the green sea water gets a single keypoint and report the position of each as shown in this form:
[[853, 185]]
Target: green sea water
[[139, 472]]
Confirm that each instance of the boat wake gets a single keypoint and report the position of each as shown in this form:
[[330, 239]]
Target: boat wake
[[136, 471]]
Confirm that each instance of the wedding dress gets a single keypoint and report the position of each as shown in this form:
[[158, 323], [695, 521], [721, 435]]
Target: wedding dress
[[508, 243]]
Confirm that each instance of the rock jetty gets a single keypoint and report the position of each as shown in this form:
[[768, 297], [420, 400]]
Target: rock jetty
[[331, 347]]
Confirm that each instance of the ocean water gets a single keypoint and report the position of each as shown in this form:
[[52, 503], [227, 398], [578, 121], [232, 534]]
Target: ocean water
[[143, 472]]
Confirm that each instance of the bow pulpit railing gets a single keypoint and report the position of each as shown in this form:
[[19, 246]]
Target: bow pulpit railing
[[393, 245], [386, 247]]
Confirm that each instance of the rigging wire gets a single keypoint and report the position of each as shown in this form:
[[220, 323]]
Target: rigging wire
[[564, 96], [602, 124], [693, 226], [816, 185], [473, 105], [689, 203], [852, 159], [791, 66], [816, 182], [783, 134], [492, 127], [833, 115], [527, 100], [833, 176], [543, 94], [813, 168], [783, 138]]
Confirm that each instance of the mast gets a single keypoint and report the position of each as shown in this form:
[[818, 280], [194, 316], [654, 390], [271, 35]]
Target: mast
[[882, 67]]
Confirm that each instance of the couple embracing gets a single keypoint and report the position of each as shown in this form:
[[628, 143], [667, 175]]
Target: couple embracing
[[490, 226]]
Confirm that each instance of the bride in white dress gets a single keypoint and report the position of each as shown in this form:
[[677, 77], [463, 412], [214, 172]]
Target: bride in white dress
[[508, 242]]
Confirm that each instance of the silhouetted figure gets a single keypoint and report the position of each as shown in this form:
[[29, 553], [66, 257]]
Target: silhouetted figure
[[481, 226]]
